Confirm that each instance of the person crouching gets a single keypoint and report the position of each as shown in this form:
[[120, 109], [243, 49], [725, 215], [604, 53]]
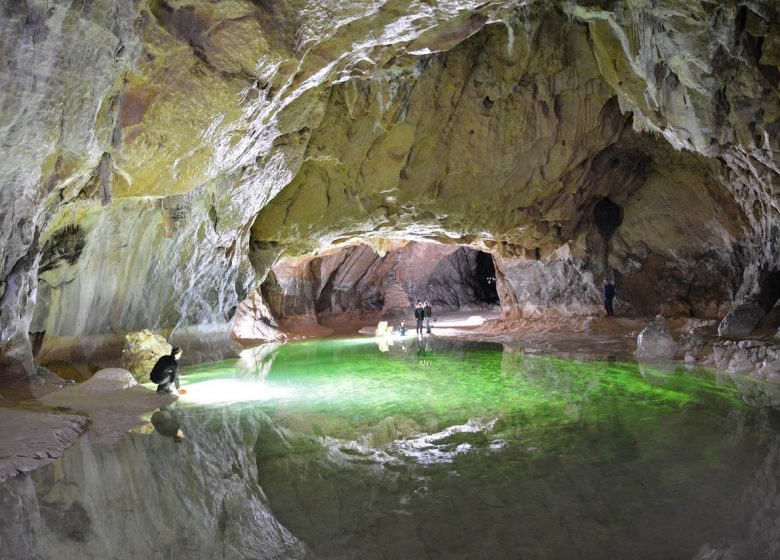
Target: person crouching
[[166, 371]]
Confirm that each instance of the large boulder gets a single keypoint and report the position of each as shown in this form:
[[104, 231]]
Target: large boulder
[[771, 321], [141, 352], [254, 322], [108, 380], [742, 319], [655, 343]]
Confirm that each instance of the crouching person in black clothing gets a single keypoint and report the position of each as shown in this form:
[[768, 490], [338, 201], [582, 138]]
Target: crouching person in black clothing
[[166, 371]]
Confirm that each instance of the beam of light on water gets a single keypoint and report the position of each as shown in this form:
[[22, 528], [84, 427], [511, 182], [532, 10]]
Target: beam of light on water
[[226, 391]]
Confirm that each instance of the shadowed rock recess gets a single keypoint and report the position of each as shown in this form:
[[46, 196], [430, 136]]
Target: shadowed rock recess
[[158, 158]]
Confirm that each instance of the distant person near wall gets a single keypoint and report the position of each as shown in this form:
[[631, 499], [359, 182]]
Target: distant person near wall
[[609, 295], [428, 312]]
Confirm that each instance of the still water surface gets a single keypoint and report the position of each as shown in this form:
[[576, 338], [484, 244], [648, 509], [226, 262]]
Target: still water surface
[[437, 449]]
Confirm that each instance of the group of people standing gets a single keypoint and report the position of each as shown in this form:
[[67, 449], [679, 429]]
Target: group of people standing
[[423, 312]]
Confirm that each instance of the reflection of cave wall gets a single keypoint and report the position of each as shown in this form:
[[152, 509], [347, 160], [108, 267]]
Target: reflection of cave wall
[[146, 494], [358, 280]]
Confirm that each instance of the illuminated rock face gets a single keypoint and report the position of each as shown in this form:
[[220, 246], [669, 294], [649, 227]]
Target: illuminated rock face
[[358, 281], [159, 157]]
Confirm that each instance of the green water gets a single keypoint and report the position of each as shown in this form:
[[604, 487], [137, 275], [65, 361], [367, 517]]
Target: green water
[[441, 449], [426, 450]]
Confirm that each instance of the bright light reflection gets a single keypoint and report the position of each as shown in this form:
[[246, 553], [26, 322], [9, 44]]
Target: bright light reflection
[[428, 449], [217, 391]]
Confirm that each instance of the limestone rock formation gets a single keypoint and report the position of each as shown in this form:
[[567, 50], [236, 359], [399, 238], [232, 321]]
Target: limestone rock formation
[[109, 380], [771, 320], [113, 401], [161, 157], [30, 440], [741, 320], [142, 350], [254, 322]]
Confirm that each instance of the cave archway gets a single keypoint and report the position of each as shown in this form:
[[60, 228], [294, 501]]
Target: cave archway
[[357, 281], [607, 216]]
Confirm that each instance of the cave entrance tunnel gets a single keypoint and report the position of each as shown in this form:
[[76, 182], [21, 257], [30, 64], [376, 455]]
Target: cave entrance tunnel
[[356, 281]]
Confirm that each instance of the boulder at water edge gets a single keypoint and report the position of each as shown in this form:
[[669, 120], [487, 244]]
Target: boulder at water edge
[[741, 320], [655, 343], [141, 352]]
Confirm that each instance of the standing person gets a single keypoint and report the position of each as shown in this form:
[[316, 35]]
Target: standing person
[[419, 314], [402, 327], [428, 312], [609, 294], [166, 371]]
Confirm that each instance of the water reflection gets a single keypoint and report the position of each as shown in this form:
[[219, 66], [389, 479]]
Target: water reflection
[[149, 496], [259, 359], [442, 449], [167, 422]]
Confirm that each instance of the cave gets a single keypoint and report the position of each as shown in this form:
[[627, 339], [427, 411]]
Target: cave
[[360, 283], [270, 187], [608, 217]]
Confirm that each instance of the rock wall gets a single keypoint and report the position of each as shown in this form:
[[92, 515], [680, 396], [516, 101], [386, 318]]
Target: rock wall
[[161, 157]]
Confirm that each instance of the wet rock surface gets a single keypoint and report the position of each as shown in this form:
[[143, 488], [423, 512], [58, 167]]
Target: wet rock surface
[[741, 320], [148, 496], [31, 439], [113, 401]]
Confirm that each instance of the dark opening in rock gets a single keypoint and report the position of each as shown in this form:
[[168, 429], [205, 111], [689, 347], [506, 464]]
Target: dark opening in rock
[[608, 217], [486, 279], [770, 289]]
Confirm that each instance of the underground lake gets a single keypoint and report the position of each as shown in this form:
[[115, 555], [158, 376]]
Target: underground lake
[[417, 449]]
